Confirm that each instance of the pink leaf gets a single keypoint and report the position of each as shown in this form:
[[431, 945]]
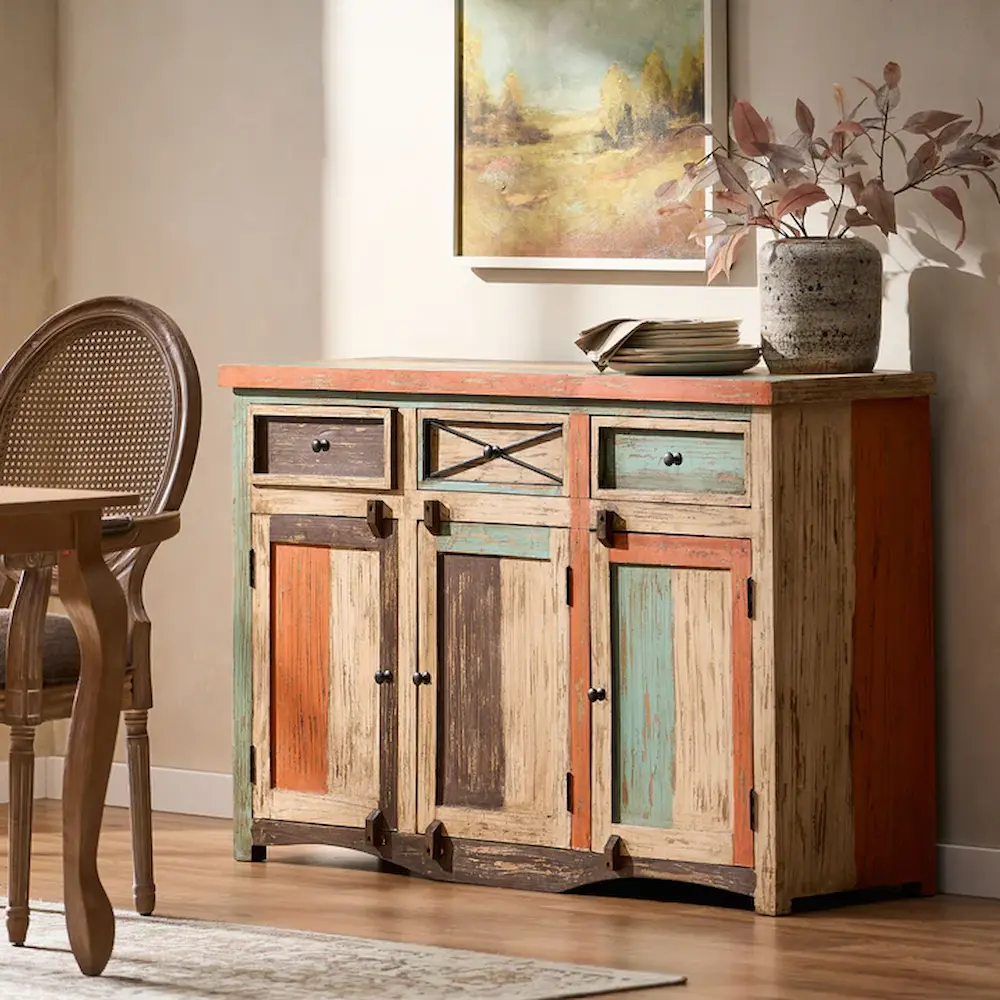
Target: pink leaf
[[783, 157], [804, 118], [799, 199], [950, 200], [871, 87], [749, 128], [711, 226], [667, 190], [733, 202], [887, 99], [735, 179], [855, 220], [966, 181], [849, 128], [982, 115], [892, 74], [953, 131], [881, 205], [929, 121], [855, 184], [738, 237], [717, 257]]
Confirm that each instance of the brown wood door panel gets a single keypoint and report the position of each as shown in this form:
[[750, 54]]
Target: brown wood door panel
[[325, 623], [493, 720]]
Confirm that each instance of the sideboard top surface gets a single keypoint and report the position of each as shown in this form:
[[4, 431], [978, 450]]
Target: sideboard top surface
[[432, 377]]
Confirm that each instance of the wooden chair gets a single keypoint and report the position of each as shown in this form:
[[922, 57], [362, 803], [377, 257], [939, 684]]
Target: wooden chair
[[104, 395]]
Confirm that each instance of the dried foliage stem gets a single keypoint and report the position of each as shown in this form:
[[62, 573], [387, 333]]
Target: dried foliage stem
[[764, 183]]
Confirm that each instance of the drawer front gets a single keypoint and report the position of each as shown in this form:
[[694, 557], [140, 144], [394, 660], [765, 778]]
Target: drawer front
[[334, 446], [692, 461], [495, 452]]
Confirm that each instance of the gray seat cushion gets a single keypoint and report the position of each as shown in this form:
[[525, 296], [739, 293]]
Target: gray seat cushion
[[61, 656]]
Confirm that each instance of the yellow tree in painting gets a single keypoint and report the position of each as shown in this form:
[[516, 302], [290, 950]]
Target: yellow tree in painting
[[617, 107], [689, 92], [653, 97], [476, 96], [513, 93]]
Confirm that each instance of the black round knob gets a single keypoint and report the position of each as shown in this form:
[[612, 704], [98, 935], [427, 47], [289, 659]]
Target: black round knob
[[596, 694], [320, 445], [673, 458], [421, 678], [490, 451], [383, 676]]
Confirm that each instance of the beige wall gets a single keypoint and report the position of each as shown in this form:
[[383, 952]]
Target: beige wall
[[194, 176], [191, 148], [27, 178]]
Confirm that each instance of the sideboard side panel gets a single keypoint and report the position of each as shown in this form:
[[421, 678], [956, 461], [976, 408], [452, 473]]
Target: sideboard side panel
[[813, 614], [893, 724]]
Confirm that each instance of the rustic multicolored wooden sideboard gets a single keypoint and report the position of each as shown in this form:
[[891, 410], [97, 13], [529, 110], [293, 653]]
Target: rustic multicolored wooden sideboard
[[540, 627]]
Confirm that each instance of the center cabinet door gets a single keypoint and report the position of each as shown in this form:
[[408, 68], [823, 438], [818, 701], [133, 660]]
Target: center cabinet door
[[671, 721], [324, 652], [493, 705]]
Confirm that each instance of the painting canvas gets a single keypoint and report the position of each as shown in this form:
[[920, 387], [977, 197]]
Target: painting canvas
[[572, 114]]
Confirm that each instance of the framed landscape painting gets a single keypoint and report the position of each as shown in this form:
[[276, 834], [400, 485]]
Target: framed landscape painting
[[571, 114]]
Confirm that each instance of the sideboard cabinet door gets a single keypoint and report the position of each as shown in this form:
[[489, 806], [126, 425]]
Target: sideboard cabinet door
[[671, 712], [493, 705], [324, 669]]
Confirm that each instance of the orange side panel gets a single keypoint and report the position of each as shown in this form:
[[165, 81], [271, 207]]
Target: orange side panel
[[892, 727], [300, 663]]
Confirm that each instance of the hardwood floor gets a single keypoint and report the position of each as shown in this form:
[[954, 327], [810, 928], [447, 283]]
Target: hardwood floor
[[942, 948]]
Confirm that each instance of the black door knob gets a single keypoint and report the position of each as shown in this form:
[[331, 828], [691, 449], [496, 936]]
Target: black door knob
[[421, 678], [320, 444], [596, 694], [673, 458], [383, 677]]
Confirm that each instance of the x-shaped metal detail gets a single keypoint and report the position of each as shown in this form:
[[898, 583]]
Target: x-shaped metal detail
[[492, 451]]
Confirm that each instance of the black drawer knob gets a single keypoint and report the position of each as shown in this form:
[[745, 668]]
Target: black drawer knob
[[421, 678], [383, 677], [596, 694], [673, 458], [320, 444], [490, 451]]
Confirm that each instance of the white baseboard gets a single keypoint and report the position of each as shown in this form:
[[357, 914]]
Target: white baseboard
[[194, 793], [969, 871]]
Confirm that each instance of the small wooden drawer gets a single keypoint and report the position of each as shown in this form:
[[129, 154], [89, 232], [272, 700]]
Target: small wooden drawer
[[689, 461], [493, 452], [336, 446]]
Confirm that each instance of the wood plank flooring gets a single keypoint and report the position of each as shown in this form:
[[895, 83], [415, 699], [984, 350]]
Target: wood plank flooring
[[943, 948]]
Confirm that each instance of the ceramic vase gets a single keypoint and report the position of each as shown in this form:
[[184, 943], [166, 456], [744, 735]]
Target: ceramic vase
[[821, 305]]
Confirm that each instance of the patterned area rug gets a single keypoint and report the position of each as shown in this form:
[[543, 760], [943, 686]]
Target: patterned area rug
[[185, 959]]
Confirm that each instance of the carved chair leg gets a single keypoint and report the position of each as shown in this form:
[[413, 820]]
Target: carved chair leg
[[22, 792], [140, 810]]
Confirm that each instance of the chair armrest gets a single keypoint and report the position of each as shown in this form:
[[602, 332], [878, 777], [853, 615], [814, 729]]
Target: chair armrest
[[140, 531]]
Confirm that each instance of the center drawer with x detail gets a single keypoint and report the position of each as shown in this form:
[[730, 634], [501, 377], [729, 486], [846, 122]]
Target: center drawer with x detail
[[493, 452]]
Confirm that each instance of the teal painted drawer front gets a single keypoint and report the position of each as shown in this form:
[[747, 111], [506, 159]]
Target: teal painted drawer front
[[645, 459]]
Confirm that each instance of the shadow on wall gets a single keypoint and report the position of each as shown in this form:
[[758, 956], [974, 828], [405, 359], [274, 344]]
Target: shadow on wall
[[953, 332]]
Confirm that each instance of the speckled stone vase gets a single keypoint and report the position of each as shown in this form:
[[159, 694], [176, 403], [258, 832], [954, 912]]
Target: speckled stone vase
[[820, 305]]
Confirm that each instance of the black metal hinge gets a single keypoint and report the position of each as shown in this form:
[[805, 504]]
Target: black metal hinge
[[753, 810], [253, 569], [569, 791], [751, 597], [253, 765], [569, 586]]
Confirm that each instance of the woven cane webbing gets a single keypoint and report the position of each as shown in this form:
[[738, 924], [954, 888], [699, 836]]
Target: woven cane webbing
[[96, 411]]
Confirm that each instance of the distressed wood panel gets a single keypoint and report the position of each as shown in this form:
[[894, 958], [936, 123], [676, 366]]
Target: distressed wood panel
[[892, 728], [354, 654], [579, 617], [534, 689], [541, 869], [360, 452], [450, 458], [300, 646], [470, 725], [632, 459], [243, 626], [642, 696], [388, 697], [677, 518], [509, 541], [813, 593], [525, 646], [703, 794], [492, 380], [261, 658]]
